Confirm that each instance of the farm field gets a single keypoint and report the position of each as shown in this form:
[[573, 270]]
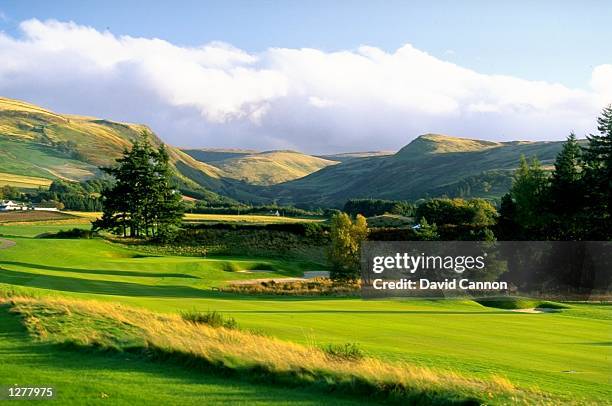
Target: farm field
[[249, 218], [214, 218], [567, 353], [24, 182]]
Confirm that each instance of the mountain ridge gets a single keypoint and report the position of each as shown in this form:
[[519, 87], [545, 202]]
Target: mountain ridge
[[430, 165], [37, 142]]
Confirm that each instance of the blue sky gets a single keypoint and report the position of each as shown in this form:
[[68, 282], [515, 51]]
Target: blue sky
[[559, 41], [317, 76]]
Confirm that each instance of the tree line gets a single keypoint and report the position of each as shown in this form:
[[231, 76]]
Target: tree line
[[572, 203], [377, 207], [79, 196]]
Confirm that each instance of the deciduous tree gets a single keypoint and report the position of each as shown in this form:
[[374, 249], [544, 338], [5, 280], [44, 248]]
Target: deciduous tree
[[346, 239]]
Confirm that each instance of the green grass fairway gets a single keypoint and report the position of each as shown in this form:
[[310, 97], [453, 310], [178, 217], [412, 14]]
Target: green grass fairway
[[566, 353], [37, 228]]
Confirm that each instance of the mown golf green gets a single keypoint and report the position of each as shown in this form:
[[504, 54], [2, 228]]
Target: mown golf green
[[565, 353]]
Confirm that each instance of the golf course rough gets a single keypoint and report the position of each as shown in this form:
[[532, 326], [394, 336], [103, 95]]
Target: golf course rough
[[565, 354]]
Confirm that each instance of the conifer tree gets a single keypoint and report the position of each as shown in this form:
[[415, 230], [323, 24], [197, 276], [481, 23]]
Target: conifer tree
[[142, 202], [529, 193], [566, 197], [598, 178]]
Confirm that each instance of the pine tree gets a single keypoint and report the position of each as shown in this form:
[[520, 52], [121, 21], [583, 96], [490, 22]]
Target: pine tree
[[142, 202], [598, 178], [529, 194], [566, 198], [507, 227], [167, 210]]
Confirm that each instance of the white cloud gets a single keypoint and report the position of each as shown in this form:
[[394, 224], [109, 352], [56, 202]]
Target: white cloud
[[601, 82], [218, 95]]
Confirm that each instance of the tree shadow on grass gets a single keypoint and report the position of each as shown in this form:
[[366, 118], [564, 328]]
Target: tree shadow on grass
[[100, 271], [86, 375], [80, 285], [128, 289]]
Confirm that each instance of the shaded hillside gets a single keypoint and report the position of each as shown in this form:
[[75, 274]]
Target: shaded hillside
[[347, 156], [211, 155], [40, 143], [431, 165]]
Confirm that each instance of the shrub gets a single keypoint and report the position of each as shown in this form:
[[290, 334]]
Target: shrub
[[346, 351], [306, 287], [245, 240], [312, 230], [213, 319], [457, 211], [377, 207]]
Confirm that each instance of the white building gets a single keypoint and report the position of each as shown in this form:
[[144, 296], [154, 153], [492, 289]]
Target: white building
[[45, 208], [9, 205]]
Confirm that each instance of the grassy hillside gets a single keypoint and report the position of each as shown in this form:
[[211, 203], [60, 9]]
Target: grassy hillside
[[347, 156], [35, 142], [210, 155], [37, 145], [31, 158], [431, 165], [262, 168], [23, 182]]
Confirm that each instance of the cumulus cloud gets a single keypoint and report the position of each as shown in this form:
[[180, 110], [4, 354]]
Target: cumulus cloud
[[307, 99]]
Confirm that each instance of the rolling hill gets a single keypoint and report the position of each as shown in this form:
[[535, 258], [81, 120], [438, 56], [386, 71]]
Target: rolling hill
[[431, 165], [38, 146], [261, 168], [42, 145], [211, 155]]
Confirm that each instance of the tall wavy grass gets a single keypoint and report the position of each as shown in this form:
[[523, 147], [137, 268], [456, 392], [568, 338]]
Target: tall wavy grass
[[114, 327]]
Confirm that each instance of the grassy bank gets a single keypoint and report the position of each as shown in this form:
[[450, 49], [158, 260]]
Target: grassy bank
[[92, 377], [104, 326]]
